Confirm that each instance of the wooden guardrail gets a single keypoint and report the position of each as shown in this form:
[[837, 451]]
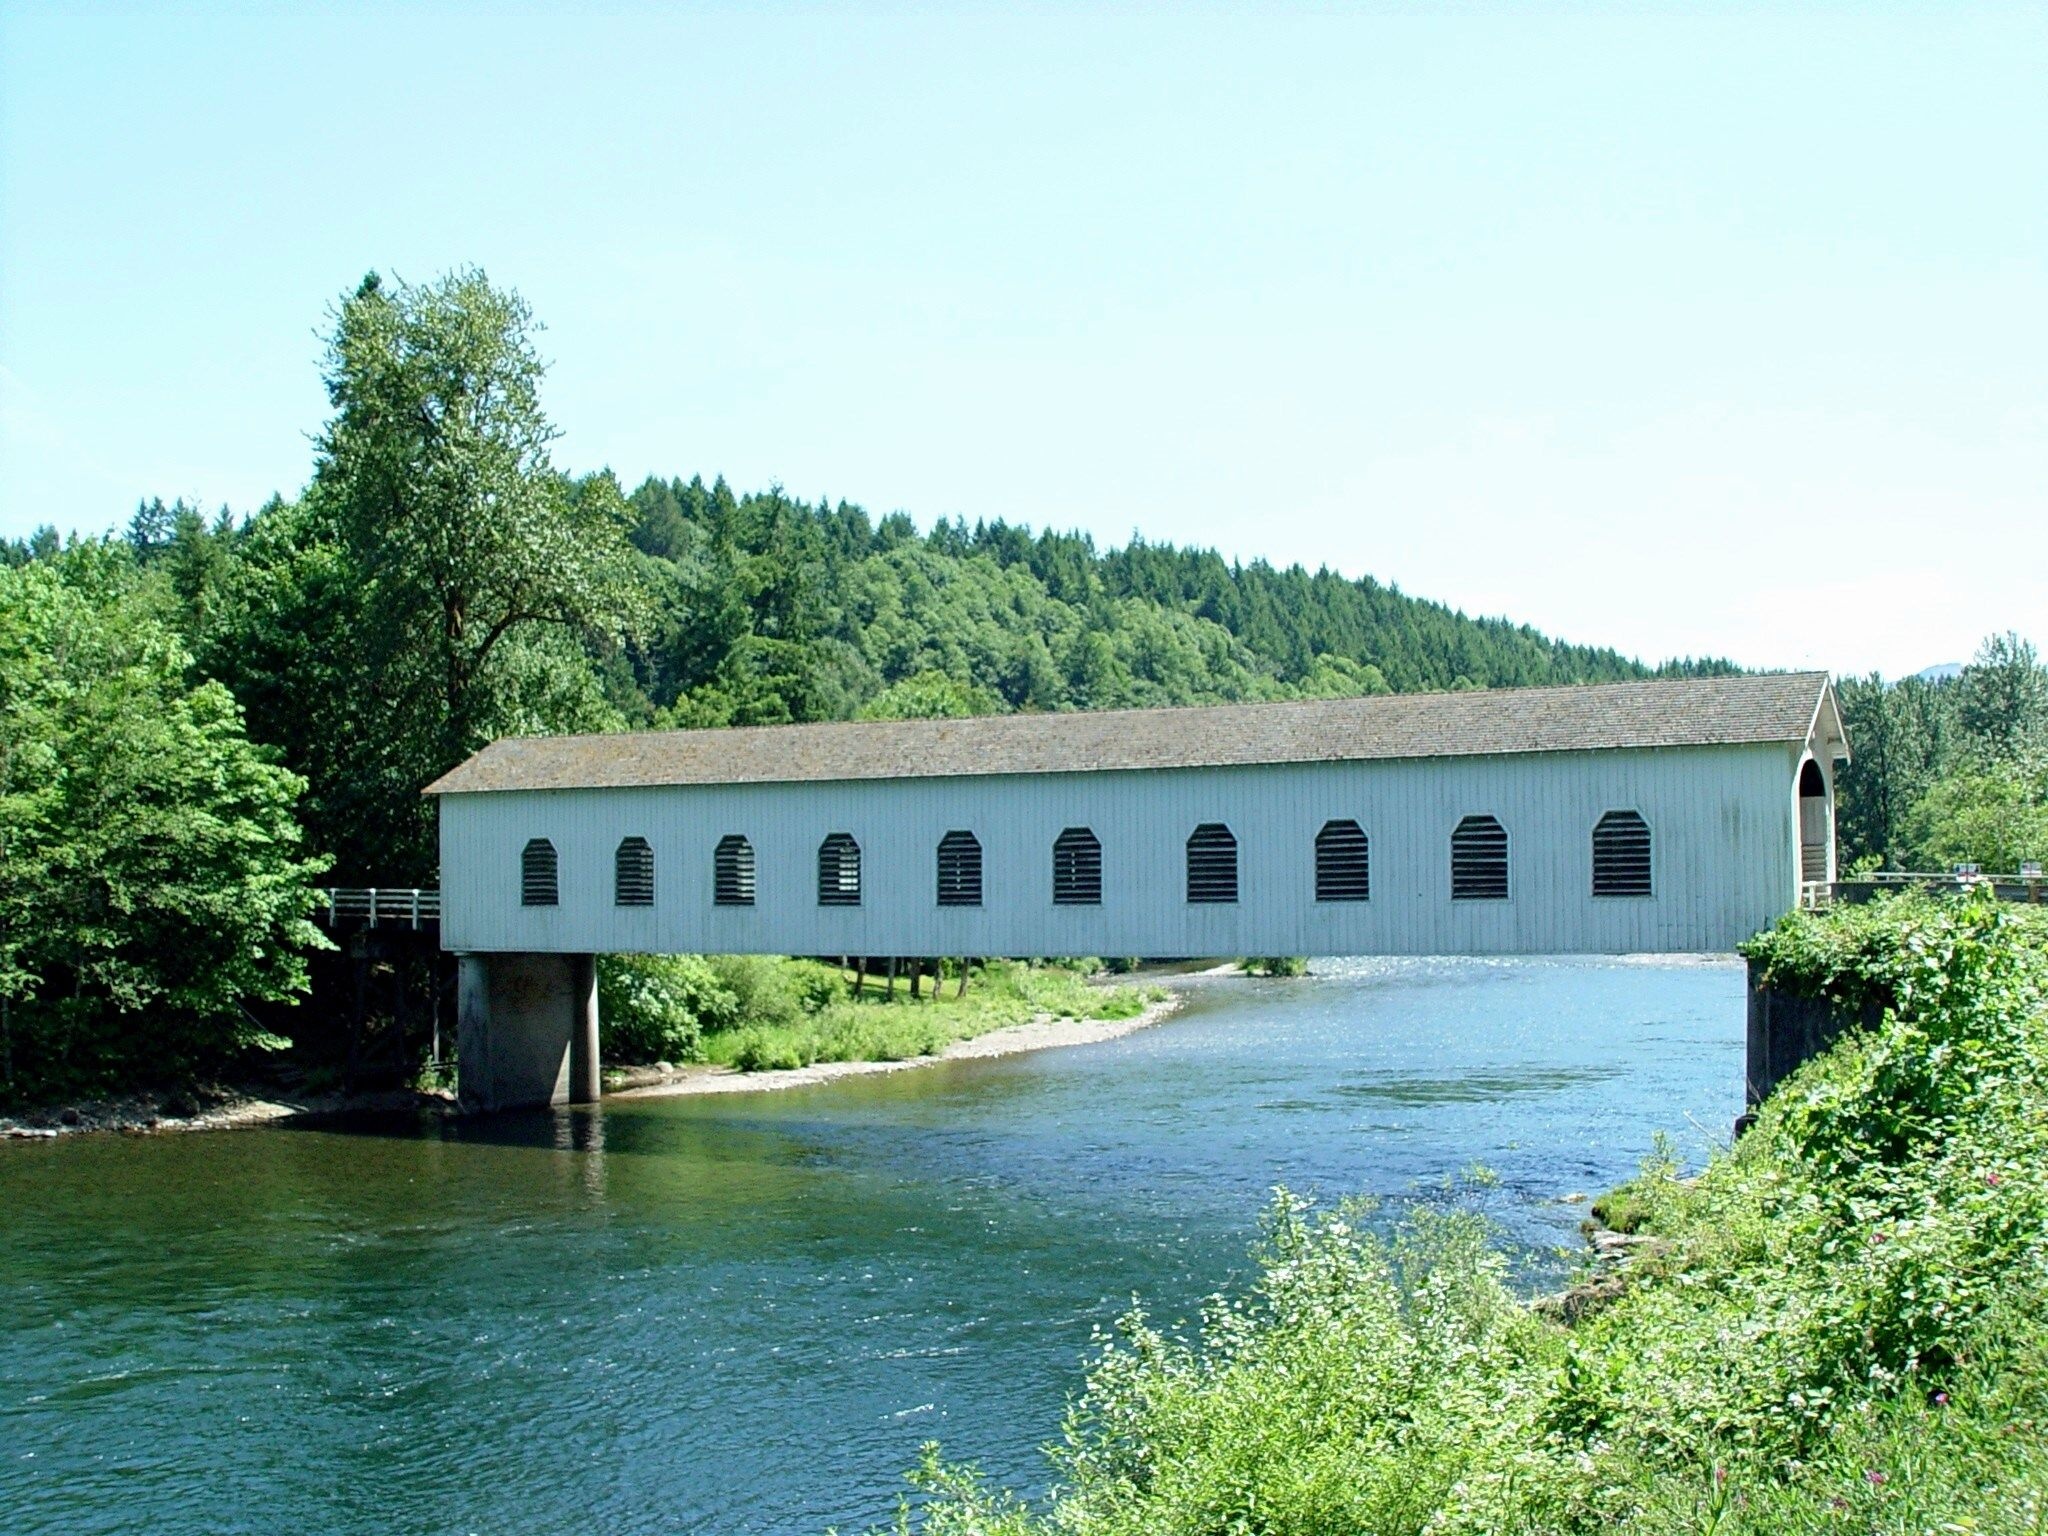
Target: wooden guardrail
[[379, 906], [2028, 886]]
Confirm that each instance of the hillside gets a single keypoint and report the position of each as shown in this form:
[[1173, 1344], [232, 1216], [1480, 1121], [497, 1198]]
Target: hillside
[[771, 609]]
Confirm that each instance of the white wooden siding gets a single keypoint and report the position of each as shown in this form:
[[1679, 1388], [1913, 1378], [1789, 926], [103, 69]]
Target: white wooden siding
[[1724, 850]]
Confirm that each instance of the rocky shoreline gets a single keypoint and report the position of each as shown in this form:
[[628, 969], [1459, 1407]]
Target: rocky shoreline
[[215, 1109]]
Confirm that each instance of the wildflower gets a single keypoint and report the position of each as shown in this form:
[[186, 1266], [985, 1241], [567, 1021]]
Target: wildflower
[[1720, 1474], [1941, 1399], [1879, 1236], [1993, 1179], [1875, 1478]]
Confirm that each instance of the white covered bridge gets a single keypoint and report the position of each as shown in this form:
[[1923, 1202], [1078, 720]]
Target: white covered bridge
[[1661, 816]]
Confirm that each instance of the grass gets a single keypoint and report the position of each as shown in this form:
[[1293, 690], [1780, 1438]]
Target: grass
[[1000, 994], [1844, 1330]]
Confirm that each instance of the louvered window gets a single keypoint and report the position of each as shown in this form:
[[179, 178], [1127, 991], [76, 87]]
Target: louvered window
[[1621, 855], [1479, 860], [959, 870], [537, 886], [1212, 864], [732, 872], [1076, 869], [633, 874], [839, 871], [1343, 862]]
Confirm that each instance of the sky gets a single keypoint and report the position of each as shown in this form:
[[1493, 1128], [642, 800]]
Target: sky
[[1692, 330]]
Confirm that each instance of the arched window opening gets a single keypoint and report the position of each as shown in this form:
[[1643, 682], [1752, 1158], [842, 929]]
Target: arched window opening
[[1212, 864], [633, 874], [839, 871], [1621, 855], [732, 872], [1076, 869], [1814, 822], [959, 870], [1343, 862], [1479, 860], [537, 869]]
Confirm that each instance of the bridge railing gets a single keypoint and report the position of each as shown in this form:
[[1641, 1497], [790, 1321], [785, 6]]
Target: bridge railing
[[379, 906], [2027, 886]]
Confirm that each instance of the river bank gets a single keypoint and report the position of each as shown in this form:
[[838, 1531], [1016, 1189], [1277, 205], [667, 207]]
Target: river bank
[[225, 1109], [1045, 1032], [216, 1109]]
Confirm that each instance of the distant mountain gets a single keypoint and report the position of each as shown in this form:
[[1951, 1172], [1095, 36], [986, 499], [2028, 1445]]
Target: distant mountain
[[1941, 672]]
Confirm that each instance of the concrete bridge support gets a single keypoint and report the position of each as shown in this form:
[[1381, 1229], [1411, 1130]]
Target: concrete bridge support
[[526, 1031], [1787, 1030]]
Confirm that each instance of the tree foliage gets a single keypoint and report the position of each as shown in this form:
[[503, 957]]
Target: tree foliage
[[463, 544], [1949, 772], [151, 877]]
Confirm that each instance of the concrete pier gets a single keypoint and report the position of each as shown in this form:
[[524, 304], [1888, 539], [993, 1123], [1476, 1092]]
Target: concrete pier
[[1786, 1030], [526, 1031]]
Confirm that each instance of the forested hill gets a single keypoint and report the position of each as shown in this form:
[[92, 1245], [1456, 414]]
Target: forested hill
[[769, 609]]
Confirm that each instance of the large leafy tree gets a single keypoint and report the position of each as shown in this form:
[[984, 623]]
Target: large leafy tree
[[436, 477], [1996, 817], [476, 568], [151, 878]]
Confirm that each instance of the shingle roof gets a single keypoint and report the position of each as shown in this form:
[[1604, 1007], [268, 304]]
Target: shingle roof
[[1675, 712]]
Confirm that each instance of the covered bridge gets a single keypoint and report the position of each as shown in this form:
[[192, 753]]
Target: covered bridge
[[1667, 815]]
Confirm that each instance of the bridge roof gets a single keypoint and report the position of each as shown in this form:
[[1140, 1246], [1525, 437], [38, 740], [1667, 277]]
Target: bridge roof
[[1664, 712]]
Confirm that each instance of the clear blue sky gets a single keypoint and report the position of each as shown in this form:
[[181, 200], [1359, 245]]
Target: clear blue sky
[[1687, 329]]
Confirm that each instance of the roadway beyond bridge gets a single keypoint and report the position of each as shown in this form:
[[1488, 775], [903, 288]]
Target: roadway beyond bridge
[[1661, 816]]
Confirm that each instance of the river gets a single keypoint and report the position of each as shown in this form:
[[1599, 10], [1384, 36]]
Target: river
[[745, 1313]]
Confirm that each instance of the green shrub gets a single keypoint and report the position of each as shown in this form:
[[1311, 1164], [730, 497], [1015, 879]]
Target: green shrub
[[1276, 965], [764, 988], [657, 1007], [759, 1051], [817, 986]]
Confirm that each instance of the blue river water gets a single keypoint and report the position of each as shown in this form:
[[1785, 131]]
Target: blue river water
[[745, 1313]]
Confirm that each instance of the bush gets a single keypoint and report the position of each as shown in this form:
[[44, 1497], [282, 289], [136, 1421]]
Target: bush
[[763, 988], [757, 1051], [1276, 965], [657, 1007]]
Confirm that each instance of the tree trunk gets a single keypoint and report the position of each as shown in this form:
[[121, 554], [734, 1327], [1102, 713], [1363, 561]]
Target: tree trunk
[[962, 990], [892, 978]]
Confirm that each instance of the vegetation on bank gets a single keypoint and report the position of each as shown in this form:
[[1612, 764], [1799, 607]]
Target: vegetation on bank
[[757, 1013], [1842, 1325]]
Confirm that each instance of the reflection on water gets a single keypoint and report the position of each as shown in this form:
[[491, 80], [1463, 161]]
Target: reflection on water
[[745, 1313]]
